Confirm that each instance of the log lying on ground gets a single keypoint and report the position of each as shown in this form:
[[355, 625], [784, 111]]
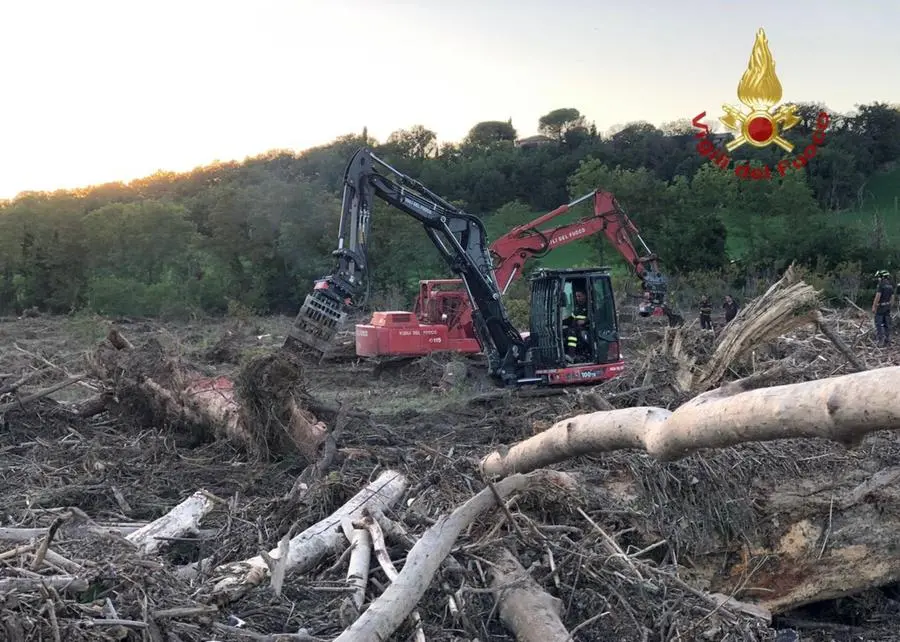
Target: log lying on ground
[[825, 536], [392, 607], [525, 608], [309, 547], [11, 534], [58, 582], [40, 394], [262, 410], [358, 568], [843, 409], [184, 518]]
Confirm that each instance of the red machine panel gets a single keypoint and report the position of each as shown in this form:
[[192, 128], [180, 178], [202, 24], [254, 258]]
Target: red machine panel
[[400, 334]]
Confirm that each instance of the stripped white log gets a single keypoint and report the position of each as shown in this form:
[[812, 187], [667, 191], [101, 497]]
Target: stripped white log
[[843, 409], [58, 582], [184, 518], [10, 534], [387, 613], [360, 557], [529, 612], [309, 547]]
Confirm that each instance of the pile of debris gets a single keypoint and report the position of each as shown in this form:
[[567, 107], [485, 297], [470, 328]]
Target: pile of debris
[[692, 503]]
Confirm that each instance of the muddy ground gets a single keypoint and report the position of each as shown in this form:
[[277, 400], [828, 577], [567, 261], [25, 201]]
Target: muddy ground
[[398, 416]]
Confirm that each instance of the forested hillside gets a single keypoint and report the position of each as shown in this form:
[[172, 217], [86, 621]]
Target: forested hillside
[[253, 235]]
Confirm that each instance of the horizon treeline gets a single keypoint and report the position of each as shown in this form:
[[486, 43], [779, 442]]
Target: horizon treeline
[[253, 235]]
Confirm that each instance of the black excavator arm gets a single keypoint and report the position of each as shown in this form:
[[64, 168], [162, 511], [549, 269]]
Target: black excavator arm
[[459, 237]]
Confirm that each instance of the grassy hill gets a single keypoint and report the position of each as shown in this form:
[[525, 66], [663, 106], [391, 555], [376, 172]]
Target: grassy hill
[[881, 198]]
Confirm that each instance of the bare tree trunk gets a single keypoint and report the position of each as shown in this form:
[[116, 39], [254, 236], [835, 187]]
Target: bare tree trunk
[[821, 537], [162, 390], [309, 547], [185, 517], [526, 609], [387, 613], [843, 409]]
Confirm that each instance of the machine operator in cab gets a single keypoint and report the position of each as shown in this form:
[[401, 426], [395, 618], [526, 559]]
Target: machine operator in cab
[[577, 339]]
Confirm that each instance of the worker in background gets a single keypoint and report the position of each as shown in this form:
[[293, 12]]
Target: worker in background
[[577, 338], [881, 307], [730, 307], [705, 313]]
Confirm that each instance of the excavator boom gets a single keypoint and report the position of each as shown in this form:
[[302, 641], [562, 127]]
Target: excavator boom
[[512, 250], [458, 236], [555, 353], [442, 319]]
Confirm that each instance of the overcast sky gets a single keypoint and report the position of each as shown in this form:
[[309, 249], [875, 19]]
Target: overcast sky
[[96, 90]]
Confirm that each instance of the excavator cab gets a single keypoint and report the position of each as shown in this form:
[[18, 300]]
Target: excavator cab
[[574, 333]]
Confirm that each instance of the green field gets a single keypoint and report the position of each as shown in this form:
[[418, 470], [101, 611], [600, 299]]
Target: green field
[[881, 198]]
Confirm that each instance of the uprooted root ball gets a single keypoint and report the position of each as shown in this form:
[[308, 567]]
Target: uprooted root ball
[[274, 406], [127, 372]]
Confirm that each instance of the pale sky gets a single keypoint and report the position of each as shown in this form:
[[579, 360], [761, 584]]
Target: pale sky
[[96, 91]]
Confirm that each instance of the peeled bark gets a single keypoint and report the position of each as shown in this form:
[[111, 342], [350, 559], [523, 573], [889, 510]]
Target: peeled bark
[[309, 547], [823, 538]]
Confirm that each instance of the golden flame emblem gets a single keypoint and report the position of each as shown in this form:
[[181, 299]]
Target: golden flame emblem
[[760, 90]]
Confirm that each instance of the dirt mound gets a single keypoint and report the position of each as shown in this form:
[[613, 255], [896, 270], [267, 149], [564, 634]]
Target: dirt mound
[[227, 349]]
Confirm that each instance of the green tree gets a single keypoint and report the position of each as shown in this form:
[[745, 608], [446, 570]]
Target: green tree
[[489, 133], [415, 142], [560, 122]]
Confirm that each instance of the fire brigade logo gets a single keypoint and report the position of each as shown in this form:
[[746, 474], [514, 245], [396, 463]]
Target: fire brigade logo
[[762, 121], [760, 90]]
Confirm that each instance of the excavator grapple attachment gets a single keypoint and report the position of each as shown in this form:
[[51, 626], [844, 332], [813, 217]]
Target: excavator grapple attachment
[[318, 321]]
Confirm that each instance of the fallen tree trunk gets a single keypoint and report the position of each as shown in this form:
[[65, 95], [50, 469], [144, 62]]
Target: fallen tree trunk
[[525, 608], [58, 582], [820, 536], [40, 394], [358, 568], [392, 607], [184, 518], [260, 410], [786, 305], [843, 409], [12, 534], [309, 547]]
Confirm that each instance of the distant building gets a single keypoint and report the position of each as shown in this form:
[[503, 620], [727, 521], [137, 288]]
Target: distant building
[[534, 141]]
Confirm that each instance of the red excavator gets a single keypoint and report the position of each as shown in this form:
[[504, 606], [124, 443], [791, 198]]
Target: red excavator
[[442, 317], [573, 330]]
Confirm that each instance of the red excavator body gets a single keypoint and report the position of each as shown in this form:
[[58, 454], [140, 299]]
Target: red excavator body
[[399, 334]]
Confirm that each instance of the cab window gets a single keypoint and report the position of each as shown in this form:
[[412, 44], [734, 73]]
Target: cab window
[[603, 304]]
